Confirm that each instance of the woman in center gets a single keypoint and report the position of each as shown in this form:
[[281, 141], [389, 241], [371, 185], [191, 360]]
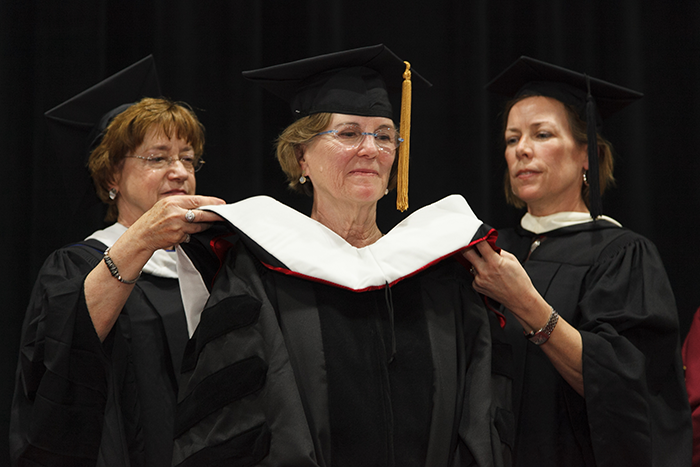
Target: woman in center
[[318, 340], [348, 168]]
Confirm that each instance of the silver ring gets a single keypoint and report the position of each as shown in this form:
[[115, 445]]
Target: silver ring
[[189, 216], [187, 238]]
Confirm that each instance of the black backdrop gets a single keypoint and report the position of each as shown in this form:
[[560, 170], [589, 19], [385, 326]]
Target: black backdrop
[[51, 50]]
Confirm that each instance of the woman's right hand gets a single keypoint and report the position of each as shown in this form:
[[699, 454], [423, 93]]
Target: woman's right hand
[[165, 224], [500, 276]]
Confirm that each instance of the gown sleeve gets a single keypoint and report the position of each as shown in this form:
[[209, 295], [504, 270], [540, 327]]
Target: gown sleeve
[[634, 391], [62, 372], [691, 360]]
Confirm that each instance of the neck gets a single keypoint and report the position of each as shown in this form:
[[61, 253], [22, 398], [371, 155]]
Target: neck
[[125, 222], [541, 210], [356, 224], [127, 215]]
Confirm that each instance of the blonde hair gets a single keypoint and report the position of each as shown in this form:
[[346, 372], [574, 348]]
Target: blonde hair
[[126, 132], [291, 144]]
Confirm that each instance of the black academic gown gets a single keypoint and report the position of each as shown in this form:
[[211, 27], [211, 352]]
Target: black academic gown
[[610, 284], [80, 402], [285, 369]]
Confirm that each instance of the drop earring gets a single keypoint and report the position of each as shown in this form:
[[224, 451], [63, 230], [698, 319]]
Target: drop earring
[[585, 177], [302, 179], [112, 193]]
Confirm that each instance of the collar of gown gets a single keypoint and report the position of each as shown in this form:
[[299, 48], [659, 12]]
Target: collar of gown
[[163, 263], [310, 250], [559, 220]]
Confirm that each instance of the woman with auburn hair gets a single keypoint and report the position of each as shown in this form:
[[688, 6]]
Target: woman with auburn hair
[[104, 332]]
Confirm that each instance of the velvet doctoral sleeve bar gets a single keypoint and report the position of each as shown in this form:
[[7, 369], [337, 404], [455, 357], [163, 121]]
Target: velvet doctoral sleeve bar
[[82, 402], [321, 355]]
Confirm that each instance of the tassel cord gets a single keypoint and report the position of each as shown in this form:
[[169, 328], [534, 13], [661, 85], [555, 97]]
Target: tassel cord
[[404, 148]]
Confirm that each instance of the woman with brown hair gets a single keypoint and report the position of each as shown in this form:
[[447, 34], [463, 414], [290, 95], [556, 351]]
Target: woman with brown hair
[[593, 324]]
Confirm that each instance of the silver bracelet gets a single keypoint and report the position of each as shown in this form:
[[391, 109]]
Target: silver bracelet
[[541, 336], [115, 272]]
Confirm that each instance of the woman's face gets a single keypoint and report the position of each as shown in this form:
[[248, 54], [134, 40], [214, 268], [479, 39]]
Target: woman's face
[[344, 174], [140, 186], [545, 164]]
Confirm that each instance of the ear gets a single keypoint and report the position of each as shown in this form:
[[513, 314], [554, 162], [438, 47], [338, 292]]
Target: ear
[[584, 156], [299, 152], [115, 179]]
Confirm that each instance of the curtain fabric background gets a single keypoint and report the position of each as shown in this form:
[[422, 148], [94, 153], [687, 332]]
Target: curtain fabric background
[[51, 50]]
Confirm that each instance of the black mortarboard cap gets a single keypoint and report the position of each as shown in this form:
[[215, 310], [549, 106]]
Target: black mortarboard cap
[[75, 126], [592, 98], [355, 82]]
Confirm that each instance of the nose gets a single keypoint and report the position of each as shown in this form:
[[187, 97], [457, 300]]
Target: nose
[[523, 148], [368, 146], [178, 170]]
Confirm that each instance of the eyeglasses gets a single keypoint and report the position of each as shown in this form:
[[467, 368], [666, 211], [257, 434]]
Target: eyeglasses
[[161, 161], [351, 136]]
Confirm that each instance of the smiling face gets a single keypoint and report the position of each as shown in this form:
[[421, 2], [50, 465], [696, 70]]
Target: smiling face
[[545, 164], [341, 174], [140, 187]]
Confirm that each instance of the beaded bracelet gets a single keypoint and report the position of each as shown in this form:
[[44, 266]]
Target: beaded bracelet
[[115, 272]]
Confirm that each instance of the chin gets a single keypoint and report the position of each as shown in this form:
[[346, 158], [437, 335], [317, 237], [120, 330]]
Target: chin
[[375, 194], [527, 195]]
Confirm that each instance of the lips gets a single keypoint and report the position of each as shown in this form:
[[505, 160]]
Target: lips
[[364, 172], [175, 192], [525, 173]]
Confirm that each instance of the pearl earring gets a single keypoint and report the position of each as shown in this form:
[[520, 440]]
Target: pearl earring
[[386, 192]]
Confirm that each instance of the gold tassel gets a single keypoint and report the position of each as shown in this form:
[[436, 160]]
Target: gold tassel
[[405, 131]]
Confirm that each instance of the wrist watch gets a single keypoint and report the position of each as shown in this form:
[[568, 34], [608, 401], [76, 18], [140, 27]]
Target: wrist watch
[[541, 336]]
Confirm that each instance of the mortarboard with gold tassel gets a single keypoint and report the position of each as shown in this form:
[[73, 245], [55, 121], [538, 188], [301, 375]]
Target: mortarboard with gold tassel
[[354, 82]]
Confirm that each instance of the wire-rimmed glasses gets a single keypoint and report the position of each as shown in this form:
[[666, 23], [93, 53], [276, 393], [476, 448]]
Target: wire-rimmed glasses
[[159, 161], [351, 136]]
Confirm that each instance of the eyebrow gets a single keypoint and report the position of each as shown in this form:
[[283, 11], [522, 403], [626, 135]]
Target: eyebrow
[[532, 125], [346, 123], [385, 125], [160, 147], [167, 147]]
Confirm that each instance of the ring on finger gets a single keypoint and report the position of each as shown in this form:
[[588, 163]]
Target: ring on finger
[[473, 271], [187, 238], [189, 216]]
